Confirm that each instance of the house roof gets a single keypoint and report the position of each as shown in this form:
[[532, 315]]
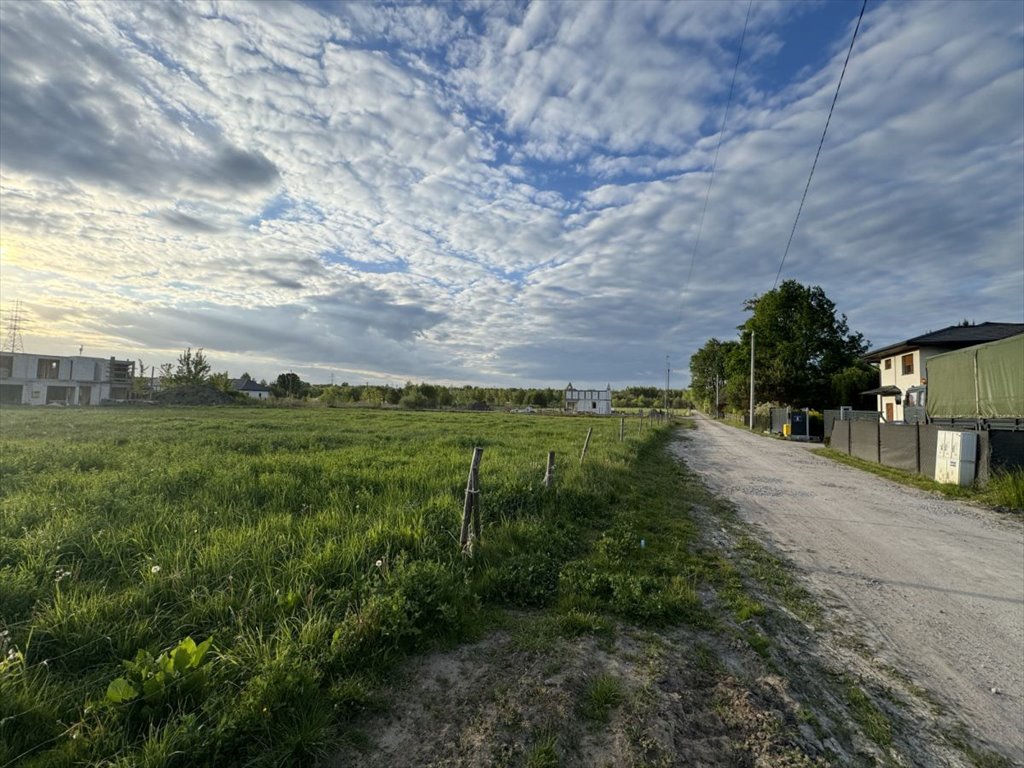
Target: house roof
[[953, 337], [248, 385]]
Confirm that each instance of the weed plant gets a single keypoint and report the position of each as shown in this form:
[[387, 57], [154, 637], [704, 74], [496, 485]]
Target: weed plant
[[602, 695], [303, 551]]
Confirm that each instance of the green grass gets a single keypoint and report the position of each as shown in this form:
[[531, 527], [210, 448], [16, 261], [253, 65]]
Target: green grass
[[316, 547], [603, 694], [544, 752], [1004, 489], [868, 716]]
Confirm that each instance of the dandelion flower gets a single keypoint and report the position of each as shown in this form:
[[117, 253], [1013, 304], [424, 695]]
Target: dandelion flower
[[155, 569]]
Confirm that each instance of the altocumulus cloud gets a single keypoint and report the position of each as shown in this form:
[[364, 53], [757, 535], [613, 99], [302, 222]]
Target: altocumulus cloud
[[502, 193]]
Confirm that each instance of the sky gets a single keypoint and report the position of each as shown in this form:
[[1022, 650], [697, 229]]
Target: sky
[[498, 193]]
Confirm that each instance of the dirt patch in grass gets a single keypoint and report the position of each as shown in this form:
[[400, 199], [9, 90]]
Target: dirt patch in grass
[[638, 698]]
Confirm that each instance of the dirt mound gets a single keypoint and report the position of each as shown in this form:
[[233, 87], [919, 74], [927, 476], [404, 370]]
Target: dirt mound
[[193, 394]]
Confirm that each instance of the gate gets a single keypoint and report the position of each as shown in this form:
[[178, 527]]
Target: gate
[[780, 417]]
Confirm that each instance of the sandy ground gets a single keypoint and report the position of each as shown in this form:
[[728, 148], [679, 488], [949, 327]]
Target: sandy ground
[[935, 587]]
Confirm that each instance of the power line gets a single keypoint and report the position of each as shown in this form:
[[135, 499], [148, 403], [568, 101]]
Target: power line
[[721, 134], [820, 143]]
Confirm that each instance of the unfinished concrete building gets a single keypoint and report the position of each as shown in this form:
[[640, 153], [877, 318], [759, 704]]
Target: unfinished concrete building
[[27, 379]]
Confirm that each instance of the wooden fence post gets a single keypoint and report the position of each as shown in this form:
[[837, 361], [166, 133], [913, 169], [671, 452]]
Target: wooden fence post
[[549, 475], [622, 428], [585, 444], [471, 502]]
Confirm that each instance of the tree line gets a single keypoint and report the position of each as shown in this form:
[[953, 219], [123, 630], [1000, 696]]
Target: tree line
[[193, 369], [805, 356]]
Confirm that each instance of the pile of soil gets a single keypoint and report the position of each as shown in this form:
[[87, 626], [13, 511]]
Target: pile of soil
[[193, 394]]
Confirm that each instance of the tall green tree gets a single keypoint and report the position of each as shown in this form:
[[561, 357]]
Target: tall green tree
[[709, 368], [289, 385], [801, 343], [192, 368], [848, 384]]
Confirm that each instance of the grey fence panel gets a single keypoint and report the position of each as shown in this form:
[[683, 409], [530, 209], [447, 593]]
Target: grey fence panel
[[1007, 450], [780, 417], [984, 465], [864, 440], [831, 418], [899, 446], [840, 439], [929, 443]]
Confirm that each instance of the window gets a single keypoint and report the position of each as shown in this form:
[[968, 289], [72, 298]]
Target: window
[[6, 366], [908, 364], [888, 363], [47, 368]]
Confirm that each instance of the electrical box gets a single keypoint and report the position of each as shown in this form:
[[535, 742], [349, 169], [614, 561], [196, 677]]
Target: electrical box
[[956, 457]]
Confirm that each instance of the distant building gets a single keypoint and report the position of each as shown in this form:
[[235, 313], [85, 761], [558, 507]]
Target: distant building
[[27, 379], [597, 401], [252, 389]]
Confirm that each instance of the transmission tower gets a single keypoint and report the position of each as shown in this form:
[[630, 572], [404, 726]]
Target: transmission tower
[[13, 342]]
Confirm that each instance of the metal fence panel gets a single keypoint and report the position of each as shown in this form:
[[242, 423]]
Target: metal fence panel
[[840, 439], [780, 417], [1007, 450], [929, 437], [899, 446], [831, 418], [864, 440]]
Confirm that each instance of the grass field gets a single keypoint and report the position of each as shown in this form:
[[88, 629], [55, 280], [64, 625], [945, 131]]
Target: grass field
[[226, 586]]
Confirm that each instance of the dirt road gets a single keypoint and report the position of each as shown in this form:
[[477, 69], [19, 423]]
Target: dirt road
[[936, 587]]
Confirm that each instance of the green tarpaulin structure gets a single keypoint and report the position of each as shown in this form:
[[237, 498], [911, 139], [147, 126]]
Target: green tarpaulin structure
[[985, 381]]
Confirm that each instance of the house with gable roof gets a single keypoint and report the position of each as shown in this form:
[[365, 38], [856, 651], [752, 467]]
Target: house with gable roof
[[903, 365]]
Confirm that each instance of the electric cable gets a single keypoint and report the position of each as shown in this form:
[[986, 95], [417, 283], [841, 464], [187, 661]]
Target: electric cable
[[714, 162], [820, 143]]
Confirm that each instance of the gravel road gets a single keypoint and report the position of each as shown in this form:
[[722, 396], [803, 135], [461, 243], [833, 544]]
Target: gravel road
[[935, 586]]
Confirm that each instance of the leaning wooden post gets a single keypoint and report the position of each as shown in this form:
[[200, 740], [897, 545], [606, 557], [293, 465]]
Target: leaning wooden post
[[471, 494], [641, 427], [622, 428], [549, 475], [585, 444]]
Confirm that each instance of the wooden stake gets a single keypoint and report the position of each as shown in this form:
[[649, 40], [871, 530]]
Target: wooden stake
[[549, 475], [471, 500], [585, 444], [622, 428]]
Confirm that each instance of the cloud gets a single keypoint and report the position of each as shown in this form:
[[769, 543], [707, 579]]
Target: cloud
[[186, 223], [506, 193], [91, 116]]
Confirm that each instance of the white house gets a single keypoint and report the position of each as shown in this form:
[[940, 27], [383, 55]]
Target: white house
[[252, 389], [903, 365], [27, 379], [597, 401]]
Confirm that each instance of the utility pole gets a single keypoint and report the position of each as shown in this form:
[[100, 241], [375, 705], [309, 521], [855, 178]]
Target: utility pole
[[718, 398], [751, 380]]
